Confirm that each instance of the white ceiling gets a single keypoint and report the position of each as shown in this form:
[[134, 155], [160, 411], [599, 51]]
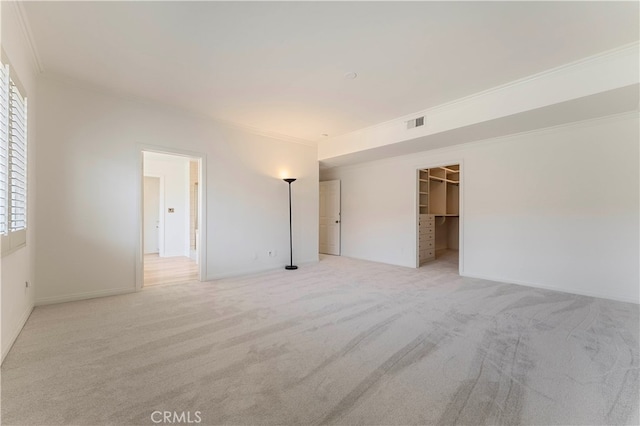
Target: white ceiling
[[279, 67]]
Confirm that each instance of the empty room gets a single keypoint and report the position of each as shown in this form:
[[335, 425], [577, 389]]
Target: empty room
[[292, 213]]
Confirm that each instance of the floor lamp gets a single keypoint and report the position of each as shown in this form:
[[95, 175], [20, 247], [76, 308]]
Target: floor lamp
[[291, 265]]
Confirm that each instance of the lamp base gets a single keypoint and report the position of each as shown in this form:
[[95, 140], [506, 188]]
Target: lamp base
[[291, 267]]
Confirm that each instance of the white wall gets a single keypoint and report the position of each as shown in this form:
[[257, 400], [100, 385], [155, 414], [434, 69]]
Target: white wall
[[174, 171], [556, 208], [17, 267], [88, 209]]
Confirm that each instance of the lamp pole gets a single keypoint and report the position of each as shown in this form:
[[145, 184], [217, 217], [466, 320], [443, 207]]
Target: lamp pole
[[291, 265]]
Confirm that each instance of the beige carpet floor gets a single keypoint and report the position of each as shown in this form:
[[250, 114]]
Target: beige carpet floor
[[342, 341]]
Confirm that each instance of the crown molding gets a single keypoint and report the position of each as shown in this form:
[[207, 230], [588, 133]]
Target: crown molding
[[583, 63], [28, 35], [267, 133], [632, 48]]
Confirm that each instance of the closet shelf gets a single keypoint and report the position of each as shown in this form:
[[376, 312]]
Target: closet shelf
[[440, 179]]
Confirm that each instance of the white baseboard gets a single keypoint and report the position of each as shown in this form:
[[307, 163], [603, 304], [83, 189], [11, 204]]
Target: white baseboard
[[16, 332], [553, 288], [257, 270], [83, 296]]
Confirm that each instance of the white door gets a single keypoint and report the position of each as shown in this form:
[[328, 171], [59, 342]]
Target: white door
[[330, 217], [151, 214]]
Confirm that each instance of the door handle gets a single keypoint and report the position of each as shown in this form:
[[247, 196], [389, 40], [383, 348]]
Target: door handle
[[337, 221]]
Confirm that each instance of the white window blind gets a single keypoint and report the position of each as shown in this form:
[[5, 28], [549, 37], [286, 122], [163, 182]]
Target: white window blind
[[17, 160], [13, 163], [4, 148]]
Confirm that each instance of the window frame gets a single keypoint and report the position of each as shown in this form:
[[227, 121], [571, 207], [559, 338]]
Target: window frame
[[4, 148], [13, 239]]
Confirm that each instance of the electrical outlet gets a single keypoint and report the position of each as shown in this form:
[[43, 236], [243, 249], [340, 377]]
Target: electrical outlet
[[272, 253]]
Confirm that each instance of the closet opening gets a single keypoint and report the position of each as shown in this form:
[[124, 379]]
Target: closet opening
[[438, 214]]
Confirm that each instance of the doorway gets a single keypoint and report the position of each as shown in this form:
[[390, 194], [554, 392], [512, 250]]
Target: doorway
[[439, 217], [171, 208], [330, 220]]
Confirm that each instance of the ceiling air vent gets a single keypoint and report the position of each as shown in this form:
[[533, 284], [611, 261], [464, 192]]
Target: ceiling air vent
[[416, 122]]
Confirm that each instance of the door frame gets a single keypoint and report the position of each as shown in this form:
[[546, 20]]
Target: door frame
[[461, 185], [201, 158]]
